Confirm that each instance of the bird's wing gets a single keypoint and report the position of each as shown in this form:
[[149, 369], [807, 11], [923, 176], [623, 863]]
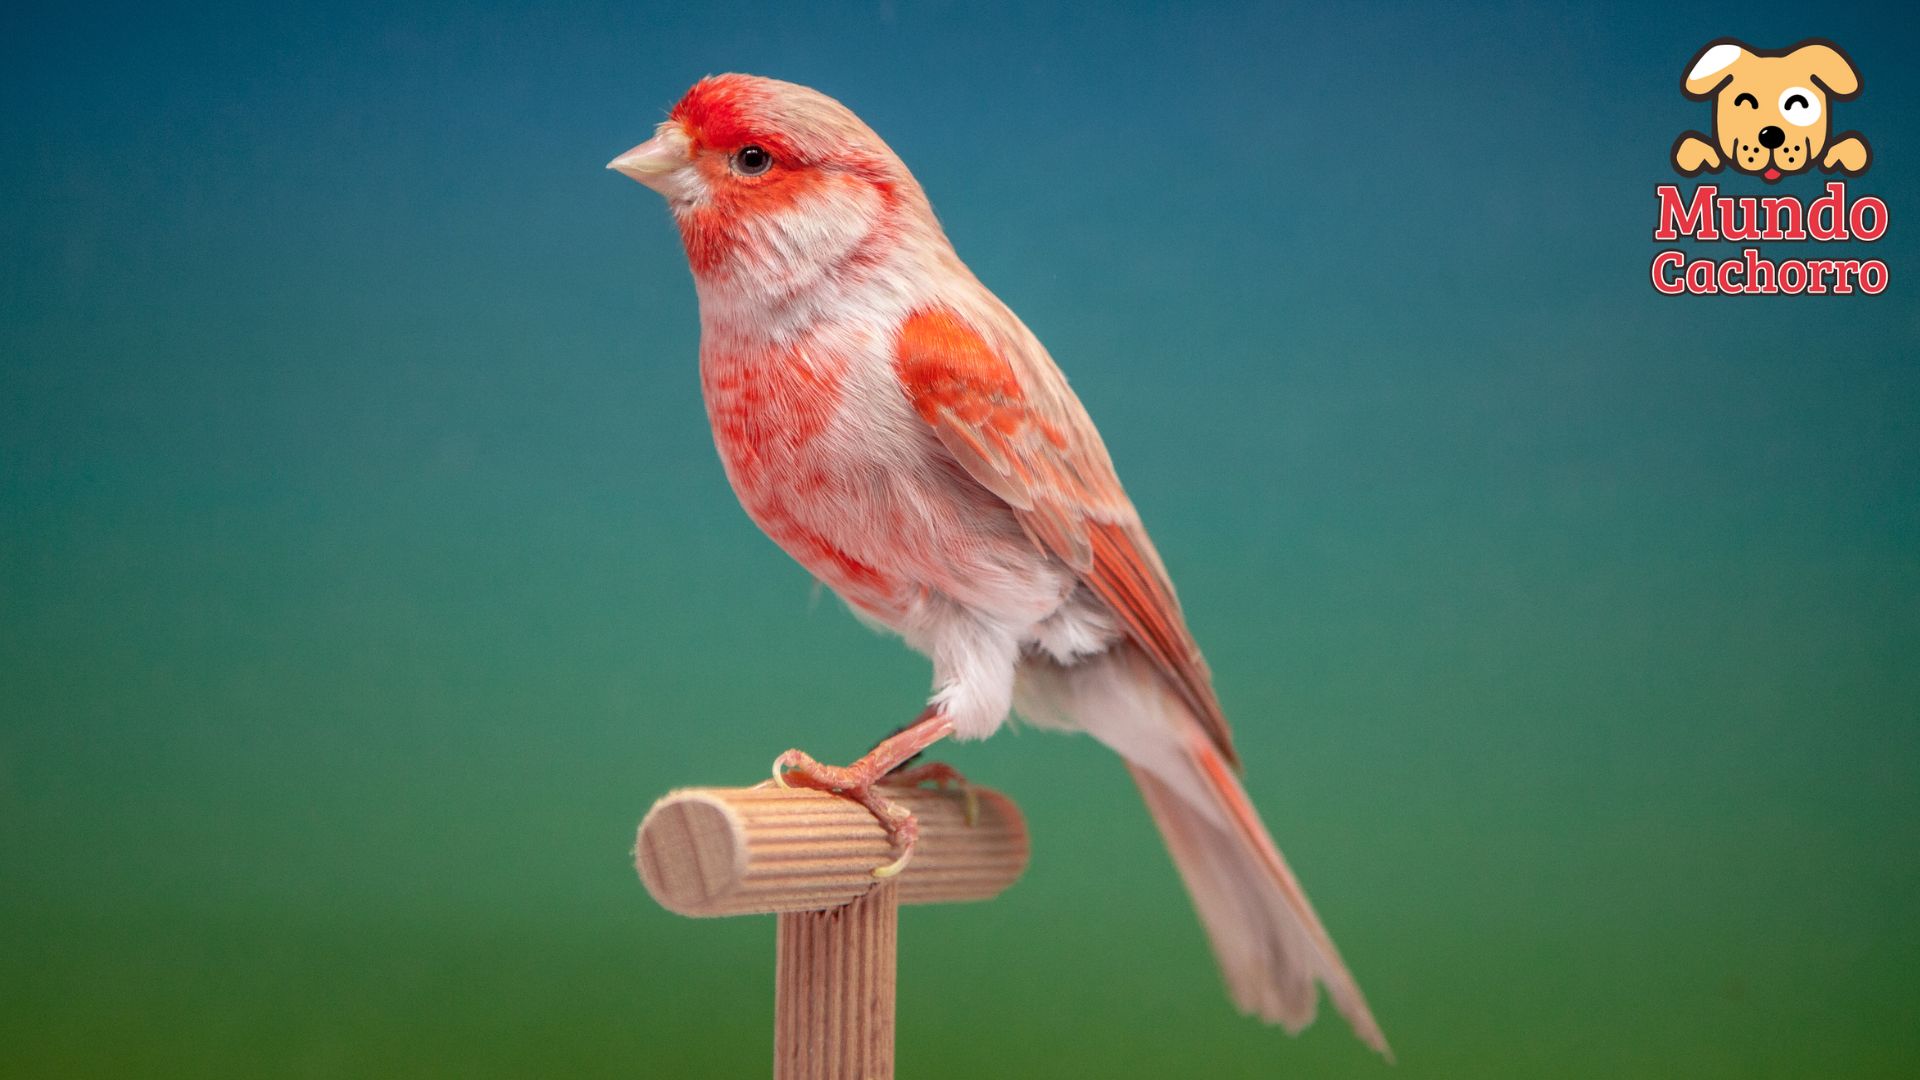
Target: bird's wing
[[1005, 412]]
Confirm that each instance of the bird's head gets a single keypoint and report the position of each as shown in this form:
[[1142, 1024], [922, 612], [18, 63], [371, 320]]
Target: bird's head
[[776, 183]]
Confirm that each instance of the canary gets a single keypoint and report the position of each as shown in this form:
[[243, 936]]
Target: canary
[[895, 428]]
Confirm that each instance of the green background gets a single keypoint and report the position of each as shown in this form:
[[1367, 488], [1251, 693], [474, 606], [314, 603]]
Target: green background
[[366, 569]]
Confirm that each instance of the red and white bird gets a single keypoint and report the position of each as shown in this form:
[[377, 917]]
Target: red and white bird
[[894, 427]]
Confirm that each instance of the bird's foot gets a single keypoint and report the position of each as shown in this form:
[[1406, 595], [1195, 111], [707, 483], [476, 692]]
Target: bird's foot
[[855, 782], [941, 775]]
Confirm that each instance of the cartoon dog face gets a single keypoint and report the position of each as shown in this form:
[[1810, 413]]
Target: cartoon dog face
[[1770, 110]]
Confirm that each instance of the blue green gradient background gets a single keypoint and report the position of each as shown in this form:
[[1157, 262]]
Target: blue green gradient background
[[366, 569]]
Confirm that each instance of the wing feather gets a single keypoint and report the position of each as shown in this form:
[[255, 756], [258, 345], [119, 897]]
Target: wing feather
[[1008, 417]]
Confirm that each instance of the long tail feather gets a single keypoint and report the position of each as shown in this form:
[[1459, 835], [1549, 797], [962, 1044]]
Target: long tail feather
[[1270, 944]]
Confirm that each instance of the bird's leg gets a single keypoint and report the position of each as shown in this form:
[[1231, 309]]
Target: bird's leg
[[945, 776], [903, 727], [907, 774], [857, 781]]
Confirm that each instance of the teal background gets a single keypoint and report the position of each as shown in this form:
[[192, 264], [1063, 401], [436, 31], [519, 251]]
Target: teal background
[[366, 569]]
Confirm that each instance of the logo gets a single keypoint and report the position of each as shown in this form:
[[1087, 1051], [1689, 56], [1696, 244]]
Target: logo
[[1770, 111], [1772, 118]]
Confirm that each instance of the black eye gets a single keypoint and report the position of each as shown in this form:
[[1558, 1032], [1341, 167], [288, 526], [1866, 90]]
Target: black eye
[[1749, 99], [1788, 104], [752, 161]]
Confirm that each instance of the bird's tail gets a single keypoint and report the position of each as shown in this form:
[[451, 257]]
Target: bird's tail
[[1270, 944]]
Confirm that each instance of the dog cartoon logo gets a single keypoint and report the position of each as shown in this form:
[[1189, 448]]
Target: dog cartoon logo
[[1770, 110]]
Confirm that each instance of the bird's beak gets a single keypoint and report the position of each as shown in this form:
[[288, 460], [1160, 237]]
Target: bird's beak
[[658, 161]]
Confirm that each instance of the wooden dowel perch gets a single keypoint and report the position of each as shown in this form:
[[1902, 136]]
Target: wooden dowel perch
[[741, 851], [809, 858]]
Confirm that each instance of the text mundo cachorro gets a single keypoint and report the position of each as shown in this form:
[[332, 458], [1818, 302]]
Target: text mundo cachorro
[[1708, 215]]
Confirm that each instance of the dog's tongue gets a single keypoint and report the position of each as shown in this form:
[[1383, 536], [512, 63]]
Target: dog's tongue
[[1770, 175]]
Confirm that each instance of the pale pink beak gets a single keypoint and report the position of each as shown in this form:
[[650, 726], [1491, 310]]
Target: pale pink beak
[[659, 162]]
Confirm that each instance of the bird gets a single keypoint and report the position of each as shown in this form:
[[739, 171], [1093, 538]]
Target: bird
[[894, 427]]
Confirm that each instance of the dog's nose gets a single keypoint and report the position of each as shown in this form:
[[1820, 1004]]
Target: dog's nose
[[1772, 137]]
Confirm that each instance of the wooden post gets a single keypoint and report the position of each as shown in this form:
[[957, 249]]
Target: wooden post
[[808, 857], [833, 989]]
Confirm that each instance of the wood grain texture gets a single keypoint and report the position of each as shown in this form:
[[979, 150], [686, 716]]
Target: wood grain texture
[[834, 990], [734, 851]]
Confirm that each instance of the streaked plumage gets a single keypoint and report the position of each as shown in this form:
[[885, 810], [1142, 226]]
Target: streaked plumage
[[895, 428]]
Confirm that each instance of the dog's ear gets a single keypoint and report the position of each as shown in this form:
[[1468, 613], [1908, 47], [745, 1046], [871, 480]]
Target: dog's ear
[[1829, 67], [1707, 72]]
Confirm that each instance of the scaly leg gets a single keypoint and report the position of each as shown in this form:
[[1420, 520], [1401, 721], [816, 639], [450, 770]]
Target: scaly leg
[[945, 776], [908, 774], [856, 781]]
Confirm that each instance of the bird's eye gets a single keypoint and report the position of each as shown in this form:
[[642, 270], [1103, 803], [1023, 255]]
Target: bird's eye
[[1750, 101], [752, 161], [1799, 106]]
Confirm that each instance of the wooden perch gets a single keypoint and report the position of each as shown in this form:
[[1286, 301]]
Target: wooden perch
[[809, 857], [743, 851]]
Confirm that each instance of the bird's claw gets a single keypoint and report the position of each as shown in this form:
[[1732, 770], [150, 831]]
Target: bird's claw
[[798, 769], [904, 831], [857, 782], [797, 761], [947, 778]]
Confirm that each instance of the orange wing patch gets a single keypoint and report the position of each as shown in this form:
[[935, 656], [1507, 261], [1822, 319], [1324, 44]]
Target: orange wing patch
[[947, 368], [1040, 453]]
